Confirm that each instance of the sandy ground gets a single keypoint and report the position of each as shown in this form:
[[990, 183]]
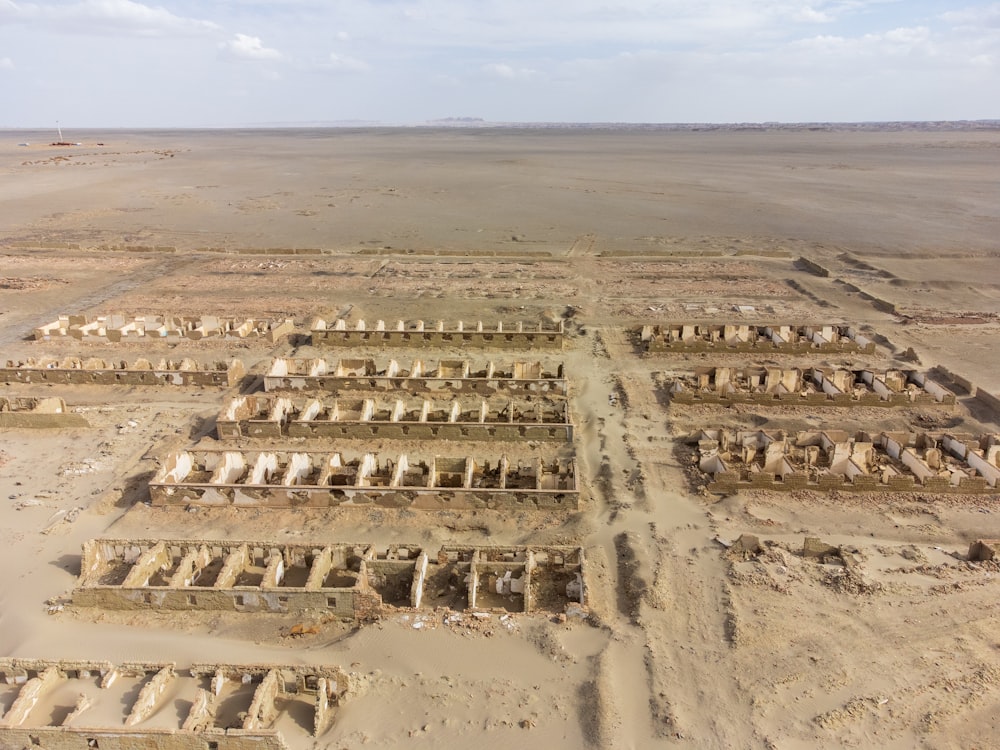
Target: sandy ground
[[688, 645]]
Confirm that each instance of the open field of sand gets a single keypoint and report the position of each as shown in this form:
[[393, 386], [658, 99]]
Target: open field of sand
[[686, 644]]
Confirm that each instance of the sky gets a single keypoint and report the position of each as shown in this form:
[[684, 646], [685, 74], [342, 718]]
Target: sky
[[232, 63]]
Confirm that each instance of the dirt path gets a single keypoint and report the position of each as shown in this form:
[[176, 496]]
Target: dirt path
[[21, 318]]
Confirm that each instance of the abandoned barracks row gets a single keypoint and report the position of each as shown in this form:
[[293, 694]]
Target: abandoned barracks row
[[838, 460], [276, 417], [746, 337], [812, 386], [85, 705], [458, 376], [359, 582], [669, 337], [283, 479], [416, 333]]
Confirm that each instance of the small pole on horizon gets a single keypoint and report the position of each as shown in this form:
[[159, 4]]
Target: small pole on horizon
[[59, 130]]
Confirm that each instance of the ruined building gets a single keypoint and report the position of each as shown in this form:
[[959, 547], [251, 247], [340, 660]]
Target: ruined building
[[115, 328], [812, 386], [859, 462], [506, 419], [94, 371], [353, 581], [453, 376], [84, 705], [283, 479], [18, 413], [743, 337], [417, 334]]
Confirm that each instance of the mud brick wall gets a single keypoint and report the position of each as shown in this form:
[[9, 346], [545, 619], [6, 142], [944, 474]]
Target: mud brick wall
[[367, 606]]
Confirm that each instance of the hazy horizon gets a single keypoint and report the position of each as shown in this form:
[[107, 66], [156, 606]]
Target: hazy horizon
[[473, 123]]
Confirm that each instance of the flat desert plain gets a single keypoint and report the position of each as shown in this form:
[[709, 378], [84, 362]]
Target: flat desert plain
[[686, 641]]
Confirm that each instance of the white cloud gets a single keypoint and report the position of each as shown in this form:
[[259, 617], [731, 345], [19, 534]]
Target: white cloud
[[508, 72], [907, 35], [245, 47], [344, 64], [809, 14], [6, 63], [105, 17], [987, 16]]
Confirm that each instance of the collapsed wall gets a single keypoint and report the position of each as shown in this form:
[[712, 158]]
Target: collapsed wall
[[274, 416], [418, 334], [81, 705], [743, 337], [454, 376], [813, 386], [115, 328], [284, 479], [837, 460], [353, 581], [36, 413], [94, 371]]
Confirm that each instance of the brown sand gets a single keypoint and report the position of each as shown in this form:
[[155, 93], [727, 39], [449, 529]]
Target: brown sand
[[687, 646]]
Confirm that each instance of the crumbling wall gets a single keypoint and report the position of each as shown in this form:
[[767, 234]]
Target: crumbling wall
[[813, 267], [37, 413], [984, 550]]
